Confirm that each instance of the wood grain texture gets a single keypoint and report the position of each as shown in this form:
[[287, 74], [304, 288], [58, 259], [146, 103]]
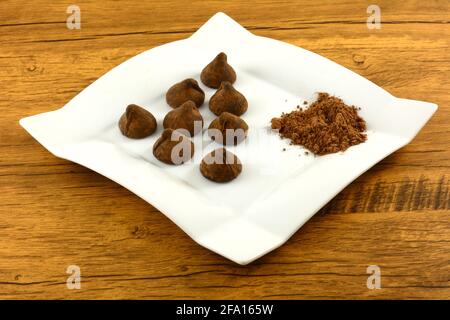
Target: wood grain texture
[[54, 213]]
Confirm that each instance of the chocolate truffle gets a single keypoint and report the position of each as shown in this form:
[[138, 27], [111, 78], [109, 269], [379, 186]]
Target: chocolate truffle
[[137, 123], [220, 165], [173, 147], [229, 129], [184, 91], [218, 71], [228, 99], [185, 117]]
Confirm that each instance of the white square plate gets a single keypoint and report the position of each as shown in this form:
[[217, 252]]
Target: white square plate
[[277, 191]]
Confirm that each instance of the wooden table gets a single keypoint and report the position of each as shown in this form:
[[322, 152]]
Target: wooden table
[[54, 213]]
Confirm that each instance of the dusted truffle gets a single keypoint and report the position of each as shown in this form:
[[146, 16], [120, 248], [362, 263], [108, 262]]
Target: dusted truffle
[[184, 91], [220, 165], [228, 99], [229, 129], [173, 147], [137, 123], [218, 71], [185, 117]]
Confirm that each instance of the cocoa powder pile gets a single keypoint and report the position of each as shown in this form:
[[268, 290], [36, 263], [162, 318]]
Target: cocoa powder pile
[[327, 126]]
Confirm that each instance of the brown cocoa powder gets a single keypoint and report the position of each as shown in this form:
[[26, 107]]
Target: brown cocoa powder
[[327, 126]]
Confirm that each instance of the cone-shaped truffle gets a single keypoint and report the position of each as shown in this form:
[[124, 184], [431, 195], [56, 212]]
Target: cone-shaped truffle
[[220, 166], [137, 123], [184, 91], [185, 117], [228, 129], [218, 71], [173, 147], [228, 99]]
